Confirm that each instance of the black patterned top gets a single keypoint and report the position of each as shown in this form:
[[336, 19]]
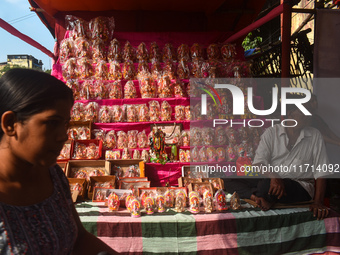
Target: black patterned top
[[44, 228]]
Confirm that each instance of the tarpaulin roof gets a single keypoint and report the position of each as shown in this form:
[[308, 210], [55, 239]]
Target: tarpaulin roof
[[157, 16]]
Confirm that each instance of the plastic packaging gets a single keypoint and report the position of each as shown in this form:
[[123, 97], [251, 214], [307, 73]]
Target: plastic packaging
[[77, 112], [130, 90], [122, 140], [143, 113], [196, 52], [101, 70], [115, 90], [131, 113], [166, 111], [168, 52], [82, 48], [66, 50], [228, 52], [69, 69], [114, 53], [147, 87], [91, 112], [179, 112], [98, 50], [84, 68], [155, 54], [129, 52], [179, 90], [154, 111], [213, 52], [102, 27], [183, 52], [183, 70], [142, 52], [129, 72], [77, 26], [165, 87], [115, 72], [118, 113], [145, 156], [75, 86], [104, 114], [132, 139]]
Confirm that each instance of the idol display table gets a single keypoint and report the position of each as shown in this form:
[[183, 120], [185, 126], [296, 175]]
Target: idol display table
[[247, 231]]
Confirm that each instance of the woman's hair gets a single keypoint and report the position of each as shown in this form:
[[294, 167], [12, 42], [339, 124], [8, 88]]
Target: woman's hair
[[27, 92]]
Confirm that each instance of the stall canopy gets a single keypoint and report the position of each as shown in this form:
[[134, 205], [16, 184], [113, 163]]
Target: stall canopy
[[154, 15]]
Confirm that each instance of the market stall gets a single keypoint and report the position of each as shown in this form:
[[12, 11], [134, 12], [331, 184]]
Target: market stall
[[109, 54]]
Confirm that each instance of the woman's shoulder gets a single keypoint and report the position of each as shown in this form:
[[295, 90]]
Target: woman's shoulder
[[59, 176]]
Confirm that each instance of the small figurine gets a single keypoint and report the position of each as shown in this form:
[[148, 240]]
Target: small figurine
[[180, 201], [208, 204], [179, 204], [113, 202], [149, 203], [235, 202], [194, 204], [135, 208], [128, 200], [169, 199], [221, 204], [160, 201]]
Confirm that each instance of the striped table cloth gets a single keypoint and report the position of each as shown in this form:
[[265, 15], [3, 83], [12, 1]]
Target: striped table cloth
[[249, 231]]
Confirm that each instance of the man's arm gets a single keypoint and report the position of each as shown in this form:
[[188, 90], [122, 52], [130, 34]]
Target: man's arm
[[263, 157], [320, 158], [277, 187], [319, 210]]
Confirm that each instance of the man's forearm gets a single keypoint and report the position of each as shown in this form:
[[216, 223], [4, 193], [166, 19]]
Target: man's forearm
[[320, 190]]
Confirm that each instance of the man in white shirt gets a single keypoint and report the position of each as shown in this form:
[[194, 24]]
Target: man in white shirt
[[299, 152]]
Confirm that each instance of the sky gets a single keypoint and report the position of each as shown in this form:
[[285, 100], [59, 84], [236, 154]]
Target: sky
[[18, 14]]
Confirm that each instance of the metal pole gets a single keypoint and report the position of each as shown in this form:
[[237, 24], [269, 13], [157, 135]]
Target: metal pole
[[285, 38]]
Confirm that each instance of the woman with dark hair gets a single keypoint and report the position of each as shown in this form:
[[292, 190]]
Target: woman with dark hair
[[37, 215]]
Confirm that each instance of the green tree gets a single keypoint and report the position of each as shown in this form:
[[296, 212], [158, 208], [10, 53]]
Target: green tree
[[7, 67], [251, 42]]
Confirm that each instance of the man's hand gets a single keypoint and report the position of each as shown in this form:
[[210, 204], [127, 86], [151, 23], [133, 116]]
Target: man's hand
[[277, 187], [319, 210]]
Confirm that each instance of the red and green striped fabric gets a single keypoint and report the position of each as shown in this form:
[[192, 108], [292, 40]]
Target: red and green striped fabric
[[249, 231]]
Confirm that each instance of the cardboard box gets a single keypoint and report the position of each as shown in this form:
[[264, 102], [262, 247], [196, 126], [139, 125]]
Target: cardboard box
[[81, 193], [62, 165], [100, 179], [195, 171], [217, 183], [101, 194], [123, 165], [84, 152], [121, 193], [148, 192], [200, 187], [172, 131], [78, 124], [185, 181], [66, 151], [87, 166], [134, 185]]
